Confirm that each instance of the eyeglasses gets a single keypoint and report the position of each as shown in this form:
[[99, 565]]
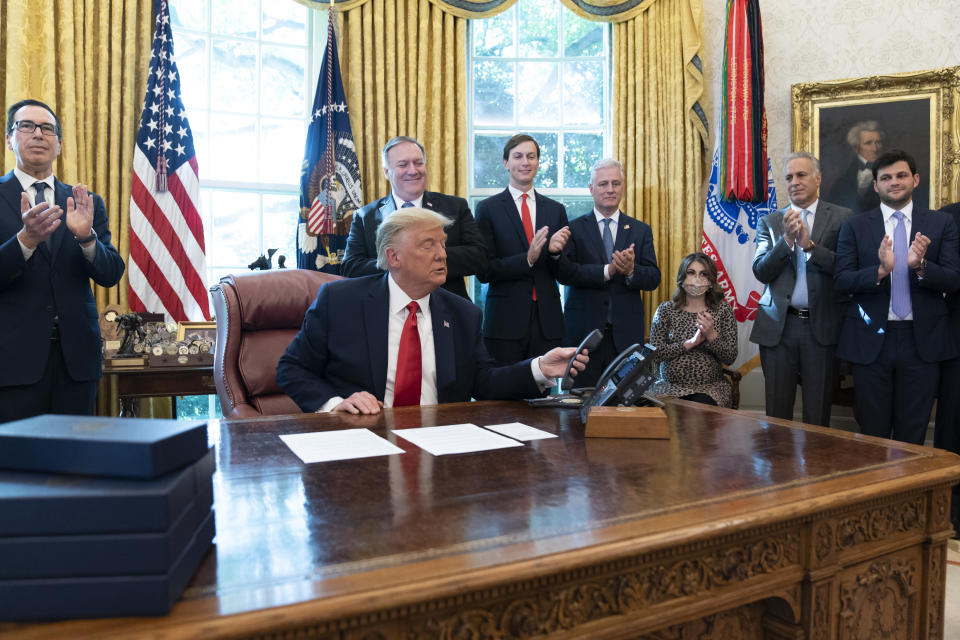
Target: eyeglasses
[[28, 126]]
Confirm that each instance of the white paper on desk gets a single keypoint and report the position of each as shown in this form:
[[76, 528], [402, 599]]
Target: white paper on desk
[[344, 444], [455, 438], [520, 431]]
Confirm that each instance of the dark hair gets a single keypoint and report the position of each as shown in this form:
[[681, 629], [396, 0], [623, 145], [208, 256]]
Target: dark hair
[[892, 157], [713, 297], [520, 138], [16, 106]]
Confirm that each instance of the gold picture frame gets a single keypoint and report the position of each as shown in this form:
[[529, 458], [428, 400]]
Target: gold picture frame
[[206, 329], [916, 111]]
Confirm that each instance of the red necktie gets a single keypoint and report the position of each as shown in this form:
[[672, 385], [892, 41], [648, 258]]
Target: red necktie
[[406, 388], [527, 228]]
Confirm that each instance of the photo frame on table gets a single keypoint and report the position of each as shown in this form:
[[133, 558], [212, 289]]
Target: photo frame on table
[[206, 331], [915, 111]]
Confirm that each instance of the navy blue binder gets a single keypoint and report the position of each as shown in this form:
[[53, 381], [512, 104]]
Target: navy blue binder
[[103, 554], [38, 504], [110, 596], [125, 447]]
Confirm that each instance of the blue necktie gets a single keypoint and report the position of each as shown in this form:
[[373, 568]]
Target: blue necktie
[[900, 278], [800, 297], [39, 186], [406, 205], [607, 238]]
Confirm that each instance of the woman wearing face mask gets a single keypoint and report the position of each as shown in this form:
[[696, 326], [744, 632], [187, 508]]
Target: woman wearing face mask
[[695, 335]]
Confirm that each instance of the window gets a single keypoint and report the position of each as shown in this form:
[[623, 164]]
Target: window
[[540, 69], [248, 74]]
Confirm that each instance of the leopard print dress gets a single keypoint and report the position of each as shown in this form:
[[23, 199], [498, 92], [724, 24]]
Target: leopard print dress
[[699, 370]]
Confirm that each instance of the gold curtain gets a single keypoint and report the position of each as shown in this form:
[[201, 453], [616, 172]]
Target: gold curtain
[[88, 60], [403, 62], [659, 131]]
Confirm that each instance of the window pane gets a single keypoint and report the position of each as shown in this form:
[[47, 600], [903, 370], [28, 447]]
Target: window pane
[[580, 151], [234, 74], [494, 36], [547, 176], [582, 37], [281, 150], [284, 22], [540, 97], [235, 18], [539, 23], [233, 144], [283, 86], [280, 216], [188, 14], [493, 89], [488, 168], [236, 227], [191, 55], [583, 92]]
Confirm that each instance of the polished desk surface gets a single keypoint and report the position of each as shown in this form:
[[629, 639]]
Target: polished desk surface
[[297, 543]]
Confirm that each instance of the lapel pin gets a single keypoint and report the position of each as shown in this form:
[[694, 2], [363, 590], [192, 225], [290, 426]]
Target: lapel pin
[[446, 324], [625, 227]]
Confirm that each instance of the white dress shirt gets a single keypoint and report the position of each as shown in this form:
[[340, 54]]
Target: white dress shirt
[[398, 202], [27, 181], [889, 224], [607, 274]]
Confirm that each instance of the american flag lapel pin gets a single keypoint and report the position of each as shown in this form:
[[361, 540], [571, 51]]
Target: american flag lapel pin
[[625, 227], [446, 324]]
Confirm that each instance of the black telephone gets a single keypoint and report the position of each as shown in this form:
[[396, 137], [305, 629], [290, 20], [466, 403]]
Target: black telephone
[[624, 382], [590, 343]]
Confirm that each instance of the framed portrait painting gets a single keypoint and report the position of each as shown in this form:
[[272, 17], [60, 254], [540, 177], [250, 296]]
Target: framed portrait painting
[[849, 123]]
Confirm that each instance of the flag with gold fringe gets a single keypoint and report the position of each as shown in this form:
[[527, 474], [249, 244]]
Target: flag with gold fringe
[[741, 188]]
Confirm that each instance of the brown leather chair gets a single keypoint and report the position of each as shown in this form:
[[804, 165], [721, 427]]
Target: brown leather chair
[[258, 315]]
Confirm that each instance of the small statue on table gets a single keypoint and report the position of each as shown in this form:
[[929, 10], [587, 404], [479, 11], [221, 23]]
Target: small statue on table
[[131, 324]]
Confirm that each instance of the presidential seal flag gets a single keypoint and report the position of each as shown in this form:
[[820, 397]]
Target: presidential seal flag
[[741, 188], [167, 265], [330, 176]]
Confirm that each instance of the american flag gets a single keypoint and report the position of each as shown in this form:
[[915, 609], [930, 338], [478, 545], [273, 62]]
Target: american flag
[[167, 263], [330, 174]]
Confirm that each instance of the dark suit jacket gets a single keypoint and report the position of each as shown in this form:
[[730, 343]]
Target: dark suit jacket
[[465, 250], [774, 264], [52, 284], [342, 348], [855, 272], [590, 299], [845, 193], [511, 279], [953, 299]]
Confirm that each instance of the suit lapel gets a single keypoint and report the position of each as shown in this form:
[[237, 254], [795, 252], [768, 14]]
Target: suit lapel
[[625, 229], [513, 216], [376, 309], [875, 226], [443, 350], [820, 222], [61, 193], [385, 208], [593, 235], [10, 189]]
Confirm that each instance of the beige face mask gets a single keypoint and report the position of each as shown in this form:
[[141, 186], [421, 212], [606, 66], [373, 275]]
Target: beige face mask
[[695, 286]]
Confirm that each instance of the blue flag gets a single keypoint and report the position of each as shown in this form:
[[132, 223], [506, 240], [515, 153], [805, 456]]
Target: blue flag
[[330, 176]]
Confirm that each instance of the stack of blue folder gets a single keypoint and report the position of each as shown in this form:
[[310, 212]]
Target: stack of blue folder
[[101, 516]]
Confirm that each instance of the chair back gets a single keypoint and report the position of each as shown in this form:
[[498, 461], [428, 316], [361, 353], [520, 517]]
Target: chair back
[[258, 314]]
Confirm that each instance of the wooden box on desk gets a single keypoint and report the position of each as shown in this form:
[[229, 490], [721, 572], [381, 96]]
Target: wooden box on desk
[[628, 422]]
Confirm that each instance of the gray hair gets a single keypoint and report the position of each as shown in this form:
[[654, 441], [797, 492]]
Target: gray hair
[[400, 220], [853, 136], [605, 163], [399, 140], [802, 154]]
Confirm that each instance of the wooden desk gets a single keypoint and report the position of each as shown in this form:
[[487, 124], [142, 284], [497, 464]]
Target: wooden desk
[[156, 382], [734, 528]]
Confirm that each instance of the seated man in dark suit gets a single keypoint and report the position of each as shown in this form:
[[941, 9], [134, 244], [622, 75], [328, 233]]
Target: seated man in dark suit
[[607, 263], [405, 165], [399, 339], [897, 260], [522, 314]]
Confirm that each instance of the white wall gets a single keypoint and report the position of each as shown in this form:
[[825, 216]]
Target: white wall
[[821, 40]]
